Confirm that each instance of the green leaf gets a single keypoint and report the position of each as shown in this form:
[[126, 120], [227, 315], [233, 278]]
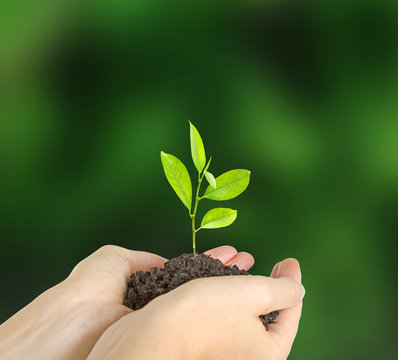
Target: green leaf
[[197, 149], [210, 178], [229, 185], [178, 177], [218, 218]]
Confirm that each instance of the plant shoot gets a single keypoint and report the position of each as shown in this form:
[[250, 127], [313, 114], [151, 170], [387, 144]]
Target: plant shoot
[[224, 187]]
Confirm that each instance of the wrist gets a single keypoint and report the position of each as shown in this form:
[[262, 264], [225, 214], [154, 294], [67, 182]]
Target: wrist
[[51, 326]]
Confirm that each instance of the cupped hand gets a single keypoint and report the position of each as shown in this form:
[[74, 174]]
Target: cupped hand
[[212, 318], [66, 321]]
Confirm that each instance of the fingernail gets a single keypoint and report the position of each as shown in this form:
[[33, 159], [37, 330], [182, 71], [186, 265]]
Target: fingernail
[[302, 292], [278, 269]]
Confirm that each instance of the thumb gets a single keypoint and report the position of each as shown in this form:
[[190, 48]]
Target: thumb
[[253, 294], [282, 293]]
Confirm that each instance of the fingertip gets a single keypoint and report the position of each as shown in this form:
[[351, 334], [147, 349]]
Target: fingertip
[[243, 260], [292, 261], [223, 253], [249, 258], [275, 270], [289, 267]]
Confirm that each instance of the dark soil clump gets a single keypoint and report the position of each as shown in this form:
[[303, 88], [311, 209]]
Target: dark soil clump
[[144, 286]]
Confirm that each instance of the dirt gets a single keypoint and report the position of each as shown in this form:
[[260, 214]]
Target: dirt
[[144, 286]]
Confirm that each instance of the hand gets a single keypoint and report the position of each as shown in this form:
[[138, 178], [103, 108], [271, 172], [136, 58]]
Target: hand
[[66, 321], [212, 318]]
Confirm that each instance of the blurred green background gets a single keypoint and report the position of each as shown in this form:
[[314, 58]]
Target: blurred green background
[[304, 94]]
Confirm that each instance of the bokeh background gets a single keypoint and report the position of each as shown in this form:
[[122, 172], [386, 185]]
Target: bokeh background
[[304, 94]]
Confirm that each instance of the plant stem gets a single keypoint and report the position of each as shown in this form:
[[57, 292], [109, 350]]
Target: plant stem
[[193, 215], [193, 236]]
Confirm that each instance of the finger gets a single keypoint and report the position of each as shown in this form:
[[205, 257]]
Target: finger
[[136, 260], [275, 270], [289, 268], [281, 293], [242, 260], [223, 253], [286, 326], [252, 294], [143, 261], [118, 261]]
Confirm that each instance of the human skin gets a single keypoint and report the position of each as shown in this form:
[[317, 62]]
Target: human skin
[[66, 321], [212, 318]]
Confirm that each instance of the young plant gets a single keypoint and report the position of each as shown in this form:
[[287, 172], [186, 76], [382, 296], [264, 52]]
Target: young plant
[[225, 187]]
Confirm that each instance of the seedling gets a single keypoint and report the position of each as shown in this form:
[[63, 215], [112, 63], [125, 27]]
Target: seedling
[[224, 187]]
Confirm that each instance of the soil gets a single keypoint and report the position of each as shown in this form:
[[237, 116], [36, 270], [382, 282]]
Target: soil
[[144, 286]]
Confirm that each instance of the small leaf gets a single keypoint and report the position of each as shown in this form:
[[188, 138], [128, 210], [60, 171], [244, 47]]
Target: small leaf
[[197, 148], [229, 185], [178, 177], [210, 178], [218, 218], [208, 164]]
